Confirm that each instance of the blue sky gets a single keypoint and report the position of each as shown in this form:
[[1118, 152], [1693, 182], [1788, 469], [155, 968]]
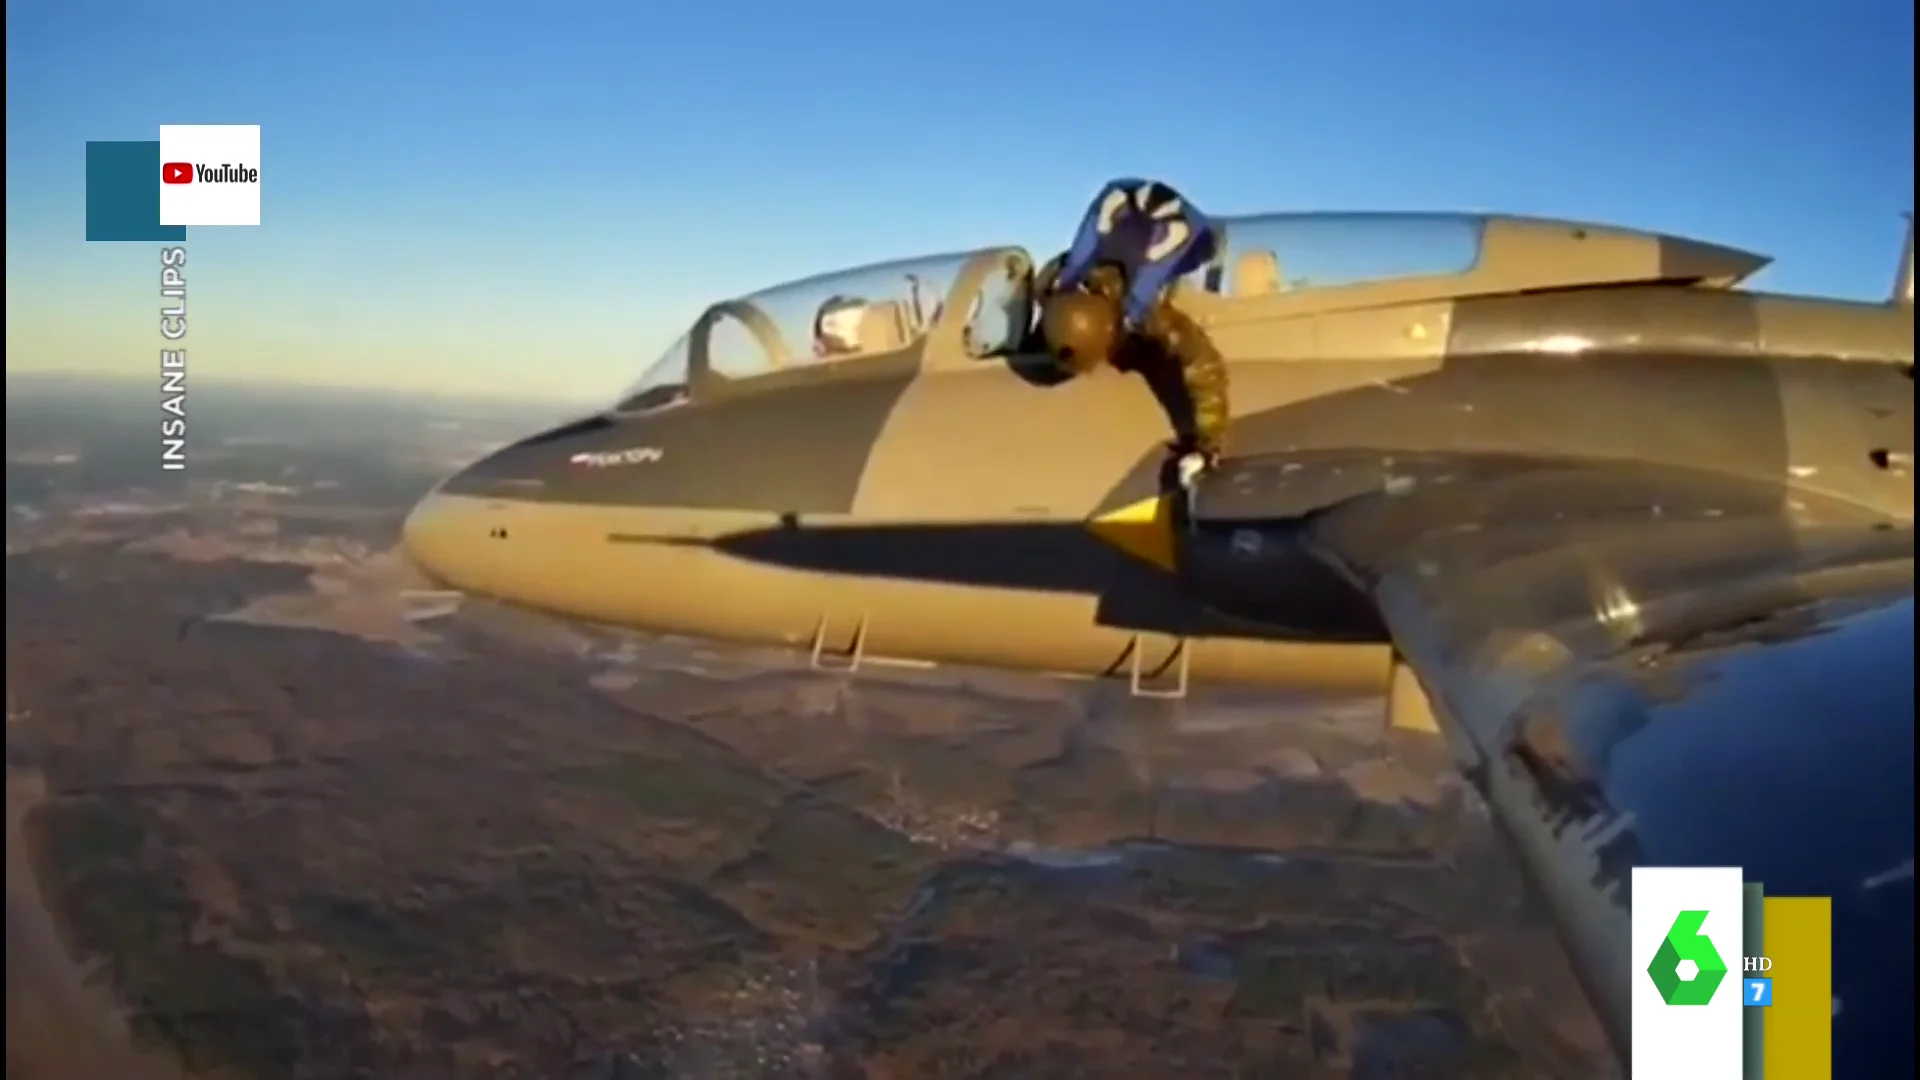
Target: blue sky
[[537, 198]]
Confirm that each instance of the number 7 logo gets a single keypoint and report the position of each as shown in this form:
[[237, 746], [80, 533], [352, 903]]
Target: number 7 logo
[[1759, 992]]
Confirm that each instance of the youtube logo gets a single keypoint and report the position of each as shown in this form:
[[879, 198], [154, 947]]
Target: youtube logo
[[209, 174]]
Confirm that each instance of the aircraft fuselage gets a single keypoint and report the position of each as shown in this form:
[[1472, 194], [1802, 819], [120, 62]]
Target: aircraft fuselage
[[903, 507], [1560, 458]]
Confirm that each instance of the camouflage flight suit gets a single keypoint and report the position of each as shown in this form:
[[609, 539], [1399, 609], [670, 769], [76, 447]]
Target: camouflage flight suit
[[1137, 238]]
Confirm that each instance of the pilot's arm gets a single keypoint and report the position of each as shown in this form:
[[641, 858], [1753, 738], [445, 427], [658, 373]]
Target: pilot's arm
[[1202, 369]]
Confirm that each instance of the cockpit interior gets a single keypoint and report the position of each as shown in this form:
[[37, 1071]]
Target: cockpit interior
[[887, 308]]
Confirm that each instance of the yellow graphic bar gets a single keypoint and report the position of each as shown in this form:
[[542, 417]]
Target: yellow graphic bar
[[1799, 1023]]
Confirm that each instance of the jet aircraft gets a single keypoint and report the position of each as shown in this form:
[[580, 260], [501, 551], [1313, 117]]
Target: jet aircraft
[[1636, 541]]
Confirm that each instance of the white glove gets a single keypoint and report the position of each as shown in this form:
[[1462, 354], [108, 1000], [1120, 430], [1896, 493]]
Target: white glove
[[1190, 468]]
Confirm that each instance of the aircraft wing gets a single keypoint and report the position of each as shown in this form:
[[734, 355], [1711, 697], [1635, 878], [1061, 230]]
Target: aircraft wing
[[1645, 665]]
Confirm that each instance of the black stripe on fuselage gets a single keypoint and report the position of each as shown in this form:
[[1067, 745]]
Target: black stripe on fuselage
[[796, 444]]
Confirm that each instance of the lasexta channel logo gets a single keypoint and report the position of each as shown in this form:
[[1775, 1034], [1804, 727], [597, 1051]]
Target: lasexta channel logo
[[1686, 946], [176, 172]]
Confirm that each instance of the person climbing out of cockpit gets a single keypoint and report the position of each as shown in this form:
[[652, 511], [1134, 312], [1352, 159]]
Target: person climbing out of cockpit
[[1109, 304], [836, 326]]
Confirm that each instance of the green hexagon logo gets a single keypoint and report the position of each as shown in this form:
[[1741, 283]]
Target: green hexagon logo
[[1686, 942]]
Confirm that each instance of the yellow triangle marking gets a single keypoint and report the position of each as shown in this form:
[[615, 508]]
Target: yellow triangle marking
[[1143, 530]]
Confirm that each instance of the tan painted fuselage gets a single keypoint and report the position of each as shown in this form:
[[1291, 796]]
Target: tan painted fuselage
[[923, 504]]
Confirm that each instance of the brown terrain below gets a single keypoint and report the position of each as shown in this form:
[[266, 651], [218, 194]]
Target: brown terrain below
[[511, 848], [294, 820]]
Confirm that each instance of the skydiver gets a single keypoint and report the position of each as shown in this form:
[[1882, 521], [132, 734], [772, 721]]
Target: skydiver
[[1109, 304]]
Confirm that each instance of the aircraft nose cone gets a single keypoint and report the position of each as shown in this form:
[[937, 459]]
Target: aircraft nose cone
[[427, 543]]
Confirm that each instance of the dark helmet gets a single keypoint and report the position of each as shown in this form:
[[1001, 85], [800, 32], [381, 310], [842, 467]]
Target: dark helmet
[[1081, 329]]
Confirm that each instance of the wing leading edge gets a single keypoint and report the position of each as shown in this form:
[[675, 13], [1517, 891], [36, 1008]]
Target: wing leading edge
[[1653, 666]]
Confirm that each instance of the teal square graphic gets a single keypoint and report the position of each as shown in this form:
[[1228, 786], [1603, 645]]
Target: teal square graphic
[[123, 194]]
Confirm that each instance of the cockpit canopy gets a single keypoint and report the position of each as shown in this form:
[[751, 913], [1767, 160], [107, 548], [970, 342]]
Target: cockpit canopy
[[869, 311], [1273, 253], [983, 301]]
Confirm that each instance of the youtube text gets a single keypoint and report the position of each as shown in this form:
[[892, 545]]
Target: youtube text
[[182, 172]]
